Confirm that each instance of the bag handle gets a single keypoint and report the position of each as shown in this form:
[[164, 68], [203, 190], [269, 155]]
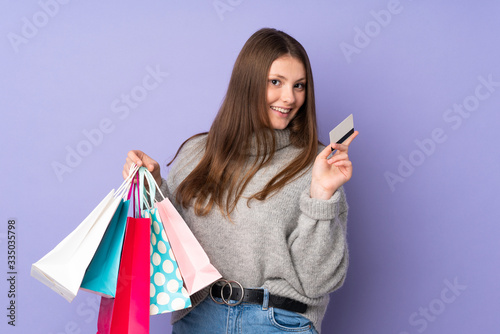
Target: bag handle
[[151, 181], [137, 197], [135, 168], [144, 192], [126, 185]]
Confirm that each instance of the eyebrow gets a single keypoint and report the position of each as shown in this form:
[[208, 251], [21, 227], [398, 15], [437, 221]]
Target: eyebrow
[[282, 77]]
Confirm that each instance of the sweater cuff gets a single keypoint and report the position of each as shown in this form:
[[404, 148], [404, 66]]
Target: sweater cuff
[[319, 209]]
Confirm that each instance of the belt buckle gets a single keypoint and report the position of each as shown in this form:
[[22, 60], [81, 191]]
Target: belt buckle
[[230, 284]]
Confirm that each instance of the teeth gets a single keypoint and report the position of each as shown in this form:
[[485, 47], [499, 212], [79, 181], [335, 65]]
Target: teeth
[[281, 110]]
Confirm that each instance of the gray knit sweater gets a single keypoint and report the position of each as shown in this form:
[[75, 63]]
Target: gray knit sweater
[[291, 244]]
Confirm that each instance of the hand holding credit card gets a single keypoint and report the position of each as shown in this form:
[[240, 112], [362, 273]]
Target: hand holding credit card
[[342, 131], [332, 167]]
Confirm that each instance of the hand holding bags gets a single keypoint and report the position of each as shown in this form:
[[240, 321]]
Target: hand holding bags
[[63, 268], [148, 281]]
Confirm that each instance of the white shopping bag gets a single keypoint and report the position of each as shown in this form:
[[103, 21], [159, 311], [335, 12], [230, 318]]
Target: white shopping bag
[[63, 268]]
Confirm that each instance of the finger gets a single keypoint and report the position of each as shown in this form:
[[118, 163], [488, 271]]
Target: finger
[[145, 160], [338, 157], [136, 157], [345, 167], [126, 172], [343, 163], [337, 152], [340, 148], [325, 153], [126, 168], [345, 145], [129, 163], [152, 166], [350, 138], [133, 158]]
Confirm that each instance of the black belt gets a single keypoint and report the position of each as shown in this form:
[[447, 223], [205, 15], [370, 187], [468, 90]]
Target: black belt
[[253, 296]]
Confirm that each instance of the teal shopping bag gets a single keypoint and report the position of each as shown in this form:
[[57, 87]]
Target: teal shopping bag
[[102, 274]]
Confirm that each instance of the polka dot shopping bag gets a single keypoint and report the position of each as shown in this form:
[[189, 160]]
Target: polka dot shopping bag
[[167, 292]]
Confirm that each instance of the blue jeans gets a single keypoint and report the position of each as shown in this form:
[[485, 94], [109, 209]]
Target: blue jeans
[[211, 318]]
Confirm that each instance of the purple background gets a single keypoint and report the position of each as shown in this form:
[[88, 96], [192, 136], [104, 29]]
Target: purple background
[[408, 243]]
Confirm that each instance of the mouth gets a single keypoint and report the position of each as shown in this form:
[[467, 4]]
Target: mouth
[[284, 111]]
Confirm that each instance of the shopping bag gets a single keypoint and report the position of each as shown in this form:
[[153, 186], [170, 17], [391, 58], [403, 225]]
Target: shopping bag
[[128, 312], [102, 274], [130, 308], [105, 315], [167, 287], [194, 264], [63, 268]]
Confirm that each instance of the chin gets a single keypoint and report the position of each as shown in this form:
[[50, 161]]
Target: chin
[[280, 127]]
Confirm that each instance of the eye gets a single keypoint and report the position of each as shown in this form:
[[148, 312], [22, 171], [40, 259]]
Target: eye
[[275, 82], [300, 85]]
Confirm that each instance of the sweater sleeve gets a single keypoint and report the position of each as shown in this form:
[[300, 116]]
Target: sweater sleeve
[[185, 162], [318, 245]]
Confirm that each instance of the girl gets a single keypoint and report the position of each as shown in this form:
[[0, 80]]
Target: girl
[[263, 198]]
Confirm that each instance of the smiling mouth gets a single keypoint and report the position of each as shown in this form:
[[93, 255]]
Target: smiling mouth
[[281, 110]]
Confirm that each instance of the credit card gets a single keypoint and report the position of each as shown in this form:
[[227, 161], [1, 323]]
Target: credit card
[[342, 131]]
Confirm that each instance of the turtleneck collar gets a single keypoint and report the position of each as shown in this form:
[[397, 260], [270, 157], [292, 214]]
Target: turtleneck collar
[[282, 140]]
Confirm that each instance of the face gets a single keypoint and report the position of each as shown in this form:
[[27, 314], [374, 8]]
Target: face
[[286, 90]]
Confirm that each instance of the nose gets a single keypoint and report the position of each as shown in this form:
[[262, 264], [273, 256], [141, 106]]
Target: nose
[[287, 95]]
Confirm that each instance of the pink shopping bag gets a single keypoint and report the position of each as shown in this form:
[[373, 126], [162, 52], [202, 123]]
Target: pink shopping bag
[[128, 312], [194, 264], [105, 315]]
